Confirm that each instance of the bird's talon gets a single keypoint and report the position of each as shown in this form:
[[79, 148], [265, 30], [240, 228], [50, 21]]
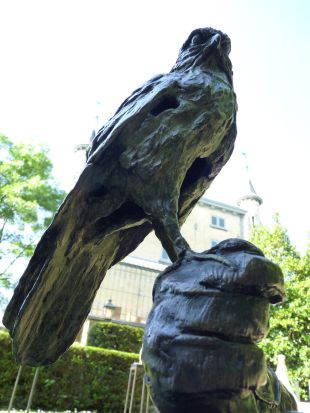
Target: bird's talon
[[187, 254], [201, 256]]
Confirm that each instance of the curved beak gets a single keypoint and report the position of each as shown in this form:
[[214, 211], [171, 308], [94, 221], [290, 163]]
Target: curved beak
[[215, 41]]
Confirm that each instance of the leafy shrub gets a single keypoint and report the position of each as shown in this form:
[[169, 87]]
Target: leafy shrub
[[83, 378], [116, 336]]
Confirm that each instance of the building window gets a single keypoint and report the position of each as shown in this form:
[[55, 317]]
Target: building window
[[217, 222], [164, 257], [213, 243]]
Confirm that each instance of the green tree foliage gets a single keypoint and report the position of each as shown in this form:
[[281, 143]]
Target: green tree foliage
[[28, 199], [290, 321], [116, 336]]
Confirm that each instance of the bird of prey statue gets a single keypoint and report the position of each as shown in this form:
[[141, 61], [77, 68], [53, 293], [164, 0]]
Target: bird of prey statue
[[146, 169]]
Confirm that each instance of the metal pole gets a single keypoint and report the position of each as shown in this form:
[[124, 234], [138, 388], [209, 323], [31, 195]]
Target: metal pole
[[147, 399], [14, 388], [133, 388], [128, 387], [34, 381], [142, 396]]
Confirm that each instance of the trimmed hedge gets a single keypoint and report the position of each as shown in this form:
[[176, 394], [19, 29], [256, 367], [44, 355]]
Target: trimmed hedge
[[115, 336], [84, 378]]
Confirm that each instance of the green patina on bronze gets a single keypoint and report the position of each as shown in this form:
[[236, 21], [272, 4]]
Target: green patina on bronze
[[199, 347], [146, 169]]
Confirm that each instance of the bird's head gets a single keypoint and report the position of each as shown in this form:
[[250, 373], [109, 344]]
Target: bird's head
[[208, 48]]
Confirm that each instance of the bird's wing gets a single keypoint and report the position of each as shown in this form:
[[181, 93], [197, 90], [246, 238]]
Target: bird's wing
[[55, 293], [197, 181], [107, 134], [92, 231], [86, 237]]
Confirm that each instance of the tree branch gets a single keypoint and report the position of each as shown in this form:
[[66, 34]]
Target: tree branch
[[15, 259], [2, 229]]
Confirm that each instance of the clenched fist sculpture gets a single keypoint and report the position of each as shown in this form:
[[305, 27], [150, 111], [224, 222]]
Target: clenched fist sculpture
[[199, 346]]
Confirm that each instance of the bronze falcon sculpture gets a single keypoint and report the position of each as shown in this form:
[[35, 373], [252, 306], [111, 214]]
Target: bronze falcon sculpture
[[146, 169]]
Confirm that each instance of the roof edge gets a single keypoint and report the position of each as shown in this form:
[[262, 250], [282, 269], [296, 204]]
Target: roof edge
[[222, 205]]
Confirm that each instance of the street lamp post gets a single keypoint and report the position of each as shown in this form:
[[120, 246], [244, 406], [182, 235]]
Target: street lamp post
[[108, 310]]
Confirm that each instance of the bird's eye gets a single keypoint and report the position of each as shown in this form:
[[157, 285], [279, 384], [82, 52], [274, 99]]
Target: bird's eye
[[196, 39]]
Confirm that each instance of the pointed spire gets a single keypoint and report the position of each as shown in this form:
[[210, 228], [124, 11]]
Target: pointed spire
[[96, 122], [248, 189], [249, 201]]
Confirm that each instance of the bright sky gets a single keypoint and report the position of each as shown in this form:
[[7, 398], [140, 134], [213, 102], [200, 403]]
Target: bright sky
[[58, 58]]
